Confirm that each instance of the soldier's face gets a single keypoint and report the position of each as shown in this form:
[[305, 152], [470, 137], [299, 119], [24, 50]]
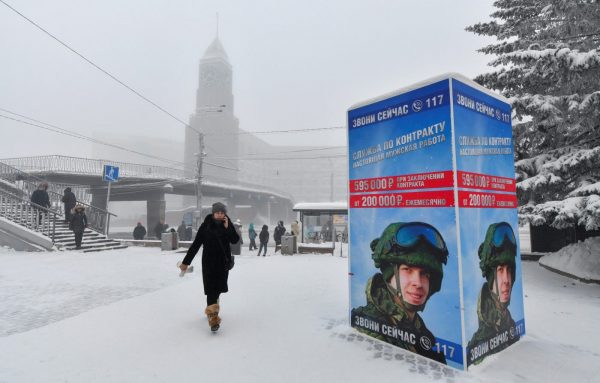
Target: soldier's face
[[503, 285], [414, 284]]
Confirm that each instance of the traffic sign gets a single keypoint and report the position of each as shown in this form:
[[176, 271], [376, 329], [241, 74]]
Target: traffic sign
[[110, 173]]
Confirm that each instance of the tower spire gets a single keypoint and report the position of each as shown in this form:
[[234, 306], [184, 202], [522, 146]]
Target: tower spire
[[217, 24]]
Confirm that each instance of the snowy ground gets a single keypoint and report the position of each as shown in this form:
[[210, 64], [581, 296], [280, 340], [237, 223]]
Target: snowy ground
[[126, 316]]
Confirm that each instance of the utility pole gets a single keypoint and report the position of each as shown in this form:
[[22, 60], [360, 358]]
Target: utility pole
[[199, 161]]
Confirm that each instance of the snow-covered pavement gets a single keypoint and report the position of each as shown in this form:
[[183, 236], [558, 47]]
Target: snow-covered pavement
[[126, 316]]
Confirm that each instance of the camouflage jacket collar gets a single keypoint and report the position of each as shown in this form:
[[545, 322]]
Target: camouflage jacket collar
[[490, 311]]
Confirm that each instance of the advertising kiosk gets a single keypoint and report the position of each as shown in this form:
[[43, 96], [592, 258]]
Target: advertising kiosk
[[434, 253]]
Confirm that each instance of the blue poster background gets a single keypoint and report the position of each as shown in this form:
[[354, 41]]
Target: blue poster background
[[442, 312], [477, 114]]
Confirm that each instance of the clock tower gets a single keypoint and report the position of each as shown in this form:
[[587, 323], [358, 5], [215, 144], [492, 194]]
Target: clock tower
[[214, 118]]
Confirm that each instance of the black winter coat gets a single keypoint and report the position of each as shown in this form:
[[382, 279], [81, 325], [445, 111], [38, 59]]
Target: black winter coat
[[78, 222], [278, 233], [264, 236], [41, 198], [215, 254], [69, 200], [139, 232]]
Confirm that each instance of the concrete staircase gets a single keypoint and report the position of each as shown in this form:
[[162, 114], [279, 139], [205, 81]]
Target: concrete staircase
[[15, 190], [92, 241]]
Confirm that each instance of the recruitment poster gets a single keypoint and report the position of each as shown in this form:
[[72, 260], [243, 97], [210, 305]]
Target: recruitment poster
[[409, 243], [489, 231], [401, 212]]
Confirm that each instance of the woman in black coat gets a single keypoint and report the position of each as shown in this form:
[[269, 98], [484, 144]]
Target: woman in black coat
[[216, 234]]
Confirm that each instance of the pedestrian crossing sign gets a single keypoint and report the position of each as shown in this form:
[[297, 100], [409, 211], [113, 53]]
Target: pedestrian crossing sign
[[110, 173]]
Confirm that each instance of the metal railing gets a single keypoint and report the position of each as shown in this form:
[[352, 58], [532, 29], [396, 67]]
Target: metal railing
[[87, 166], [28, 214], [90, 166], [98, 219]]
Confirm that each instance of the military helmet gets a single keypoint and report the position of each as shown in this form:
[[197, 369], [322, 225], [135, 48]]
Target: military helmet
[[413, 244], [499, 247]]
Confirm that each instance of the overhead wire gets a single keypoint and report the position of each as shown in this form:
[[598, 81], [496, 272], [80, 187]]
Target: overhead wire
[[137, 93], [56, 129]]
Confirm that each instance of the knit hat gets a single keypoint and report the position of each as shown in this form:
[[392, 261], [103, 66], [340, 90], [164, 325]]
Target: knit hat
[[218, 206]]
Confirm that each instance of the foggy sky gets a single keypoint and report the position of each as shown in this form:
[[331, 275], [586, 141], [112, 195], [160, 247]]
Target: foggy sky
[[296, 64]]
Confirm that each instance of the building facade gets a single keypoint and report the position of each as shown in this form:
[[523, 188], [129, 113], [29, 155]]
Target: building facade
[[310, 174]]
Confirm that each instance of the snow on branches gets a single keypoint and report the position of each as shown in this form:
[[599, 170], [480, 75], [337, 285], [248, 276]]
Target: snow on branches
[[547, 62]]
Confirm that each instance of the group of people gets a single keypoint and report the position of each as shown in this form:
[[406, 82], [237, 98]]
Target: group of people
[[264, 235], [74, 213]]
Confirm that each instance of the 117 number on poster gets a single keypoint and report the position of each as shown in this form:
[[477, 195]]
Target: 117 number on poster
[[448, 351]]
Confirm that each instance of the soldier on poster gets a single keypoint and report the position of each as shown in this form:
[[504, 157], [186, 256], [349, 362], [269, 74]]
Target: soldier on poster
[[496, 329], [410, 257]]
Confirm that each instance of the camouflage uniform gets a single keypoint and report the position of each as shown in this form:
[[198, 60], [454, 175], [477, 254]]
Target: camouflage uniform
[[413, 244], [382, 306], [494, 317]]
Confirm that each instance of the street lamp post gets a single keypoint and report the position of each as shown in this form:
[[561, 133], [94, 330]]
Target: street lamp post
[[199, 162]]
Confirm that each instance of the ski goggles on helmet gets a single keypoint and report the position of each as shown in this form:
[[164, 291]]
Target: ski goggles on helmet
[[503, 235], [409, 235]]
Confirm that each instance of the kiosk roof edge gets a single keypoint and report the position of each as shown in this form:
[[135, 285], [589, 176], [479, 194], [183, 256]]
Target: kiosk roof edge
[[431, 80]]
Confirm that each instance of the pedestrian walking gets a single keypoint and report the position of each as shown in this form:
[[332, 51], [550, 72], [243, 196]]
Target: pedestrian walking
[[181, 231], [216, 234], [139, 232], [40, 198], [160, 228], [264, 239], [277, 234], [252, 236], [78, 224], [236, 248], [70, 201]]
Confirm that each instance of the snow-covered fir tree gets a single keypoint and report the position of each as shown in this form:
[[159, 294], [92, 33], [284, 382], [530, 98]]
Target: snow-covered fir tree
[[547, 62]]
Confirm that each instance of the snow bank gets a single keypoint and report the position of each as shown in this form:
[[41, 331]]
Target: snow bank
[[580, 259]]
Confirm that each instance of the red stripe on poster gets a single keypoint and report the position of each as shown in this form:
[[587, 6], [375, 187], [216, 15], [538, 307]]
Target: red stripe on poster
[[470, 199], [442, 198], [431, 180], [485, 182]]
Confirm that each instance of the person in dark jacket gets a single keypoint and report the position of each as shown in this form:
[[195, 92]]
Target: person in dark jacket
[[277, 234], [40, 197], [70, 201], [188, 233], [263, 236], [236, 248], [181, 231], [139, 232], [160, 228], [216, 233], [252, 235], [78, 224]]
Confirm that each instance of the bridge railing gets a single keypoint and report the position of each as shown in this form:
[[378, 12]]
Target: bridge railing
[[27, 214], [87, 166], [90, 166], [98, 219]]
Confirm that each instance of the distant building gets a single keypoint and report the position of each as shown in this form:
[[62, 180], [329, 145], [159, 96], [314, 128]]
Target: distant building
[[282, 167]]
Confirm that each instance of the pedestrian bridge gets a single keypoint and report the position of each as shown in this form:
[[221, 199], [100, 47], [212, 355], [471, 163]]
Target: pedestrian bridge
[[139, 182]]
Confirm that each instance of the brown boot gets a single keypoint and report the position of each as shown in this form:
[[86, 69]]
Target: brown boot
[[212, 313]]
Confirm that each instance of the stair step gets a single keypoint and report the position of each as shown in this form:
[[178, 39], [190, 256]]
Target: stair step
[[108, 248]]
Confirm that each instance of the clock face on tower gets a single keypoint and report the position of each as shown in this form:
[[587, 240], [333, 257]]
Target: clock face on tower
[[208, 77], [211, 76]]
